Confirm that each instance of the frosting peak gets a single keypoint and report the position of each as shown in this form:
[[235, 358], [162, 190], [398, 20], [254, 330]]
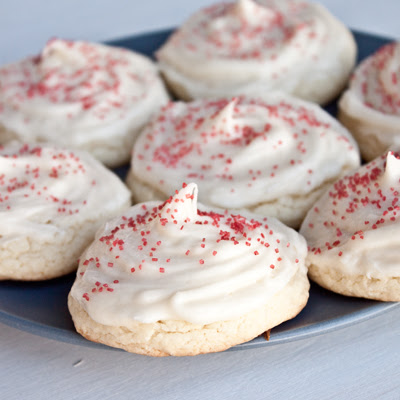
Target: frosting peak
[[223, 116], [391, 174], [57, 54], [182, 207], [238, 29], [252, 12]]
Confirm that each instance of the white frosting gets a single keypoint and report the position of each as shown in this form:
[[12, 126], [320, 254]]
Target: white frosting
[[44, 190], [79, 93], [251, 47], [354, 228], [376, 81], [374, 94], [244, 152], [179, 260]]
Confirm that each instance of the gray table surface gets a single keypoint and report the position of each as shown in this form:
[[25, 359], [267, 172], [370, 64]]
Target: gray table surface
[[358, 362]]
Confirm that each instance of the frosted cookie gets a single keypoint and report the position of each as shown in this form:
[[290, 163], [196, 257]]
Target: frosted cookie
[[370, 108], [353, 233], [273, 157], [51, 203], [80, 95], [253, 47], [178, 278]]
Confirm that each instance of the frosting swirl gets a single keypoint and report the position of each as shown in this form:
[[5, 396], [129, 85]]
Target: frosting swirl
[[79, 94], [250, 47], [243, 153], [44, 190], [354, 227], [376, 81], [370, 108], [179, 260]]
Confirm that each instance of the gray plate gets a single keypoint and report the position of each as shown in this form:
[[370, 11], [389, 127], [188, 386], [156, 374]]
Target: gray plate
[[41, 307]]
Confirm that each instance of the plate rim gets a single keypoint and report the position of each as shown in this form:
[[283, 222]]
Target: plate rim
[[311, 330]]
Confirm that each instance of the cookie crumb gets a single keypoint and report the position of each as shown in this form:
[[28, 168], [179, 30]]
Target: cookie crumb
[[77, 363], [267, 335]]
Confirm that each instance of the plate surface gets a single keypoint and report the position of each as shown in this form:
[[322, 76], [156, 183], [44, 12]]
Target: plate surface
[[41, 307]]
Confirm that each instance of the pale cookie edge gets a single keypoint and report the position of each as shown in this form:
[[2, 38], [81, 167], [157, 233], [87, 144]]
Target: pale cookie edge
[[179, 338], [356, 285]]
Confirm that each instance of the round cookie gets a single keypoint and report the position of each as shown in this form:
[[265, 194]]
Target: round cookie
[[353, 233], [52, 201], [253, 47], [80, 95], [273, 156], [178, 278], [370, 108]]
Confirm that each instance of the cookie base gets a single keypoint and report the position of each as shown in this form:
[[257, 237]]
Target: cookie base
[[356, 285], [180, 338], [372, 137], [30, 258]]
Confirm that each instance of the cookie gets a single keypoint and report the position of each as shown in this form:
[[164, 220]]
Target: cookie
[[254, 47], [273, 156], [52, 201], [352, 233], [178, 278], [80, 95], [370, 108]]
